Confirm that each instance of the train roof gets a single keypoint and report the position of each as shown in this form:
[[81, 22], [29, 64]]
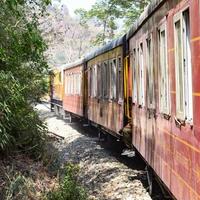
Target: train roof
[[149, 10], [73, 64], [111, 45]]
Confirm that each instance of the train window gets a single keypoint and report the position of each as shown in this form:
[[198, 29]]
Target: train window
[[163, 63], [74, 80], [80, 83], [134, 67], [120, 79], [141, 75], [102, 80], [105, 79], [66, 85], [99, 80], [114, 79], [188, 65], [150, 74], [95, 80], [71, 84], [110, 79], [184, 105], [59, 77], [75, 83], [89, 81]]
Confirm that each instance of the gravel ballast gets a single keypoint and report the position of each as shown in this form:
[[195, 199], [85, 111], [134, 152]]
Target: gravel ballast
[[101, 173]]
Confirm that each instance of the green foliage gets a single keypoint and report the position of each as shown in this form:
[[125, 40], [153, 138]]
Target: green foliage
[[23, 74], [69, 188], [19, 188], [107, 13], [20, 125]]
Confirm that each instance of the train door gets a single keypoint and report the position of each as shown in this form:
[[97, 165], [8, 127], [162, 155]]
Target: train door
[[127, 89]]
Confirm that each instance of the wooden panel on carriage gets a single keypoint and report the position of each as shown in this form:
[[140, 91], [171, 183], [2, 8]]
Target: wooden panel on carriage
[[165, 60], [73, 88], [105, 87]]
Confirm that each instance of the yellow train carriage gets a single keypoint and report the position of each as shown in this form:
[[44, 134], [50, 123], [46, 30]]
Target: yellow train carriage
[[56, 90], [105, 103]]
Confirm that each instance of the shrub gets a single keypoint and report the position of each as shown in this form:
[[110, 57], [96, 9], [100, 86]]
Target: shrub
[[17, 187], [23, 72], [20, 125], [69, 188]]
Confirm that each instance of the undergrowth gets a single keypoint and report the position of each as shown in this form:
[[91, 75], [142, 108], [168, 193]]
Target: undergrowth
[[69, 188], [23, 178]]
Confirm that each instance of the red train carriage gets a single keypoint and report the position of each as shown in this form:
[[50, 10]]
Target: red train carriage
[[164, 48], [73, 88], [104, 75]]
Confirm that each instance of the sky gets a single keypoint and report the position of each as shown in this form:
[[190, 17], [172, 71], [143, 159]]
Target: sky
[[75, 4]]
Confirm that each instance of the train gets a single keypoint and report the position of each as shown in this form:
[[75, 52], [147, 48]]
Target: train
[[144, 88]]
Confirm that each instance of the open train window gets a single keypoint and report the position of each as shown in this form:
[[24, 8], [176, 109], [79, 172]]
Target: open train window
[[150, 74], [141, 75], [60, 77], [184, 105], [163, 69], [66, 85], [93, 83], [102, 80], [99, 80], [71, 84], [80, 83], [134, 68], [114, 79], [120, 79], [110, 79], [74, 84], [106, 79], [89, 81]]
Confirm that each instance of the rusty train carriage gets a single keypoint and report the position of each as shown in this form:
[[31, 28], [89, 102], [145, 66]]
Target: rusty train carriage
[[150, 79], [73, 88], [105, 87], [166, 127]]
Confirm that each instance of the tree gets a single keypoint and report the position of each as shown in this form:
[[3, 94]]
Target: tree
[[107, 13], [66, 37], [132, 10], [23, 73]]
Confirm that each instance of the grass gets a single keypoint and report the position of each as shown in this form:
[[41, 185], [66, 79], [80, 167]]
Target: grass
[[69, 188], [24, 178]]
